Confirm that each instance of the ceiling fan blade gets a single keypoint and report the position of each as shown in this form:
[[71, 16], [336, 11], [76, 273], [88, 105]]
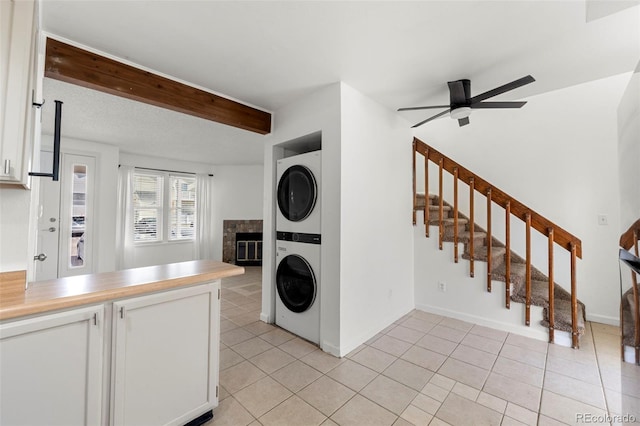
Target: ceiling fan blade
[[463, 121], [431, 118], [502, 89], [487, 105], [456, 93], [423, 107]]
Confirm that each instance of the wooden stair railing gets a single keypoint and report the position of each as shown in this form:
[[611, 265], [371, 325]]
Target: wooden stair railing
[[628, 240], [532, 219]]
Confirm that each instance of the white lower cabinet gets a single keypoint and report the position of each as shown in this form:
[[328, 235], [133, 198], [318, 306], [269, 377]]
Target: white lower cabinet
[[164, 350], [51, 369], [165, 356]]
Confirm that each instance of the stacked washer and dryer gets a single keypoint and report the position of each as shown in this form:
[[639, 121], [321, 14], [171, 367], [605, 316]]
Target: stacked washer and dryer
[[298, 245]]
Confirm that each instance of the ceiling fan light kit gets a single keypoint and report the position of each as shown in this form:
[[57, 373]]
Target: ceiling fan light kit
[[461, 112], [461, 103]]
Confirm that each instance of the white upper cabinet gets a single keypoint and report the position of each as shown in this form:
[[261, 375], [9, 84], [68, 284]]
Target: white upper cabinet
[[21, 72]]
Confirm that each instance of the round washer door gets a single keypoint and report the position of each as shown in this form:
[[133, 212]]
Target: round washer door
[[297, 193], [296, 283]]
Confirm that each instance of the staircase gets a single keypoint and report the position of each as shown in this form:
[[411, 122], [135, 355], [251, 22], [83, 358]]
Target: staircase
[[523, 282], [630, 302]]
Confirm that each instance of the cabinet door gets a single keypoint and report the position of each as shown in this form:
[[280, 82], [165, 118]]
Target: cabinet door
[[165, 356], [52, 369], [18, 117]]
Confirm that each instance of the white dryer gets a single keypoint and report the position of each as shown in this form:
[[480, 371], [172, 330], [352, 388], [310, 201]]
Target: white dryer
[[298, 288], [298, 193]]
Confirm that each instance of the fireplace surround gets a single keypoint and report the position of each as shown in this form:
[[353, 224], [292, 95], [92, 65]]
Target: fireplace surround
[[229, 242]]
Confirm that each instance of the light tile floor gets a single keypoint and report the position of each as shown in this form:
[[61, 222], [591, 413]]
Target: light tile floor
[[422, 370]]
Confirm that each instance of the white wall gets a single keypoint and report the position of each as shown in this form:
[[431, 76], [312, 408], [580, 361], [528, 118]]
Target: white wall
[[376, 233], [366, 254], [318, 112], [238, 194], [629, 152], [558, 155]]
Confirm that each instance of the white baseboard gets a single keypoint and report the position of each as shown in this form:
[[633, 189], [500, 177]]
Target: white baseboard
[[265, 318], [534, 331], [604, 319], [330, 349], [629, 354]]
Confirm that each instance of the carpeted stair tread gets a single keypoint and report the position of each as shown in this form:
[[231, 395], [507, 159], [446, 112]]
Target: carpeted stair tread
[[628, 330], [480, 253], [539, 293], [517, 272], [479, 238], [562, 316], [628, 327]]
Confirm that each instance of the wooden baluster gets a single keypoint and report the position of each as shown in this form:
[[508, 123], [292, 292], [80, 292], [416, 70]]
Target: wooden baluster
[[636, 320], [471, 226], [427, 212], [636, 301], [489, 242], [622, 334], [575, 343], [455, 215], [441, 209], [507, 259], [551, 289], [528, 271], [415, 197]]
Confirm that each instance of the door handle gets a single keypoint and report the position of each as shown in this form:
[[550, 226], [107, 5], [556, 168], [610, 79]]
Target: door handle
[[41, 257], [52, 229]]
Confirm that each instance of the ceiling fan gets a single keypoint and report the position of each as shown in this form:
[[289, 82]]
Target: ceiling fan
[[461, 102]]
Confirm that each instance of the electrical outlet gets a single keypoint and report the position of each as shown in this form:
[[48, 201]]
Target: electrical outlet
[[603, 219], [442, 286]]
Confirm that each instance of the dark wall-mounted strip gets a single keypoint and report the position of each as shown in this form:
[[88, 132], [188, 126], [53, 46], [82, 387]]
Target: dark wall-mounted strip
[[55, 175]]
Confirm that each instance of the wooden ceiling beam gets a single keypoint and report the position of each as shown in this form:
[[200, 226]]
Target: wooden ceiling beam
[[77, 66]]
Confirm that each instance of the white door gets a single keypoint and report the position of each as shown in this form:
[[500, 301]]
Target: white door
[[65, 225], [46, 265]]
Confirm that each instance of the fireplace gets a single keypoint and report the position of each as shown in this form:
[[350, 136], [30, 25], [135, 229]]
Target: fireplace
[[242, 242], [249, 248]]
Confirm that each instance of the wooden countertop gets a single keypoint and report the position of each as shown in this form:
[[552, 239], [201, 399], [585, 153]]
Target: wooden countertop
[[63, 293]]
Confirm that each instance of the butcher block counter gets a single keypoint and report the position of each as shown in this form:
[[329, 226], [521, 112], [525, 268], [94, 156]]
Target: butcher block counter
[[45, 296], [131, 347]]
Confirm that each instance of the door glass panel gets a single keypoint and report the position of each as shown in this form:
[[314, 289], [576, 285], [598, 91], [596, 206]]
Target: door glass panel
[[78, 216]]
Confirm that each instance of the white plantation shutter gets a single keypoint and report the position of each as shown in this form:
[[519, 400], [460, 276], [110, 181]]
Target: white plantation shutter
[[147, 207], [182, 208]]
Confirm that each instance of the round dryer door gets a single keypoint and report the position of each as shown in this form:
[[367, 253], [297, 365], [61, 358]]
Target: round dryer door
[[297, 193], [296, 283]]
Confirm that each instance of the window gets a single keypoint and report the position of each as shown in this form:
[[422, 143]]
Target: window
[[164, 207], [182, 209]]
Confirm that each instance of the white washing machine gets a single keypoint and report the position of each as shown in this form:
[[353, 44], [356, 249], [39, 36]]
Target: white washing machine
[[298, 288], [298, 193]]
